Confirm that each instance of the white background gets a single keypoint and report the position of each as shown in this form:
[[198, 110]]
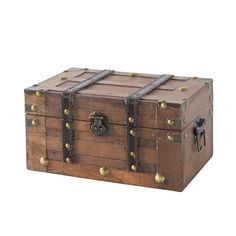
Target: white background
[[39, 39]]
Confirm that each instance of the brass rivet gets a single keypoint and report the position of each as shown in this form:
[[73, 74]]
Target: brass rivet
[[132, 154], [132, 132], [67, 145], [210, 98], [63, 78], [44, 161], [160, 179], [68, 125], [170, 137], [183, 88], [170, 122], [163, 105], [66, 111], [103, 171], [131, 120], [210, 111], [133, 167], [38, 93], [68, 160], [34, 122], [185, 135], [132, 74], [33, 108]]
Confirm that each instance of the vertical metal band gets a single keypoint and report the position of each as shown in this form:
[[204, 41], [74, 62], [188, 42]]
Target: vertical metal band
[[67, 102], [132, 121]]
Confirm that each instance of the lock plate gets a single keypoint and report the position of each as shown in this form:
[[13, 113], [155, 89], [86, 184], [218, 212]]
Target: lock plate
[[98, 123]]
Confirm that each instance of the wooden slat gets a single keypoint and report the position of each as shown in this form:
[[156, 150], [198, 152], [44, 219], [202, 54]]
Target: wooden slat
[[92, 172], [36, 141]]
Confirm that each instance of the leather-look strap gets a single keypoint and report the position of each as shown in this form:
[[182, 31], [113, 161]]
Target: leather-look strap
[[67, 101], [132, 121]]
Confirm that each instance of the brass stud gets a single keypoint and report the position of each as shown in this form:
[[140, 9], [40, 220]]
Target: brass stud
[[44, 161], [63, 78], [68, 160], [38, 93], [68, 125], [132, 74], [34, 122], [103, 171], [33, 108], [170, 137], [170, 122], [132, 154], [66, 112], [183, 88], [131, 120], [210, 111], [163, 105], [133, 167], [210, 98], [67, 145], [185, 135], [160, 179], [132, 132]]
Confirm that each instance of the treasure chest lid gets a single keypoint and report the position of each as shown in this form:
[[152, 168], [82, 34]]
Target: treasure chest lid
[[172, 105]]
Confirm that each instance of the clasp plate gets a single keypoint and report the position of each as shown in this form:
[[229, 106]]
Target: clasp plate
[[98, 123]]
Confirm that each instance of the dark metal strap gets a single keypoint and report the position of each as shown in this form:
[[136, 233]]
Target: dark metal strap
[[67, 114], [132, 116], [90, 81]]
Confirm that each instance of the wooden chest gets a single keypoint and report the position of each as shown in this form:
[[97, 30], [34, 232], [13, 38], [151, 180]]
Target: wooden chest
[[140, 129]]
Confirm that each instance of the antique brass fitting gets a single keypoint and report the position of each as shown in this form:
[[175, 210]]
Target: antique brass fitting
[[132, 154], [170, 137], [68, 125], [68, 160], [38, 93], [44, 161], [163, 105], [131, 120], [133, 167], [183, 88], [103, 171], [160, 179], [67, 145], [34, 122], [132, 74], [33, 108], [170, 122], [132, 132], [66, 112]]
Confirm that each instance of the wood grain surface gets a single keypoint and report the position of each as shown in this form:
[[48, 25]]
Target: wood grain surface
[[179, 161]]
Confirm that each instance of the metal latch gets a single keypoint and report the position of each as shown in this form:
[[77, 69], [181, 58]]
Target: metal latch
[[199, 132], [98, 123]]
